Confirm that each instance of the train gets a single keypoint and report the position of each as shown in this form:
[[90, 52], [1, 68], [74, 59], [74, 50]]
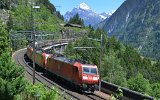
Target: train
[[83, 76]]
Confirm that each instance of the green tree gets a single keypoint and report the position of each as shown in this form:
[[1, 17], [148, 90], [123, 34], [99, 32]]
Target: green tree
[[140, 84], [155, 90], [146, 69], [59, 15], [76, 20], [70, 51], [10, 23], [39, 90], [5, 4], [156, 72], [112, 71], [3, 38], [11, 78], [90, 27], [22, 18], [131, 61]]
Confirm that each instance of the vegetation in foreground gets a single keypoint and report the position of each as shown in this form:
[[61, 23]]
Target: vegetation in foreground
[[38, 92], [11, 78], [13, 85]]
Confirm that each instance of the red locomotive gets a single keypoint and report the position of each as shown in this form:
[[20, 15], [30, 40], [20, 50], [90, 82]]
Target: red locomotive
[[84, 76]]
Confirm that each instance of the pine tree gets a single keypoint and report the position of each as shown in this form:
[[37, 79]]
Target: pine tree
[[156, 72], [10, 23], [3, 37], [11, 78], [70, 51], [76, 20]]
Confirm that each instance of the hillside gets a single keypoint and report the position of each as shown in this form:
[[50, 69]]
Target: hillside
[[136, 22], [44, 18], [18, 16]]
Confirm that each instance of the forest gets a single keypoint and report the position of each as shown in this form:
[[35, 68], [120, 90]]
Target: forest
[[121, 64]]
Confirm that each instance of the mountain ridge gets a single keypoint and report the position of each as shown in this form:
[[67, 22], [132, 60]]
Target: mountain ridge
[[89, 16], [121, 12], [137, 25]]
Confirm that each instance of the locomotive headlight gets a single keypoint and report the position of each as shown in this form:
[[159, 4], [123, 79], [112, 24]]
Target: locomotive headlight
[[85, 77], [95, 78]]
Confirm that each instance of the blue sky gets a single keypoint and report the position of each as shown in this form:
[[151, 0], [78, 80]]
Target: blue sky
[[98, 6]]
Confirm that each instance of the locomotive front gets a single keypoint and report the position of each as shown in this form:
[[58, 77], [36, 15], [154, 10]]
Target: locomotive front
[[90, 77]]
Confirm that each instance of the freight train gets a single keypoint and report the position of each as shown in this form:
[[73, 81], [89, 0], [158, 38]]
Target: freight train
[[83, 76]]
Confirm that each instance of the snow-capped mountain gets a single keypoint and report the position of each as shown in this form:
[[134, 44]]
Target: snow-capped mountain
[[87, 14], [84, 6]]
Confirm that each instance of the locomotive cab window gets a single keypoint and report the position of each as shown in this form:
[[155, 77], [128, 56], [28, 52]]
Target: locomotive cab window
[[93, 70], [85, 70], [88, 70]]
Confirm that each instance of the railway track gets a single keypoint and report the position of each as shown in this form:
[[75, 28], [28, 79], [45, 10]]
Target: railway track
[[67, 91]]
